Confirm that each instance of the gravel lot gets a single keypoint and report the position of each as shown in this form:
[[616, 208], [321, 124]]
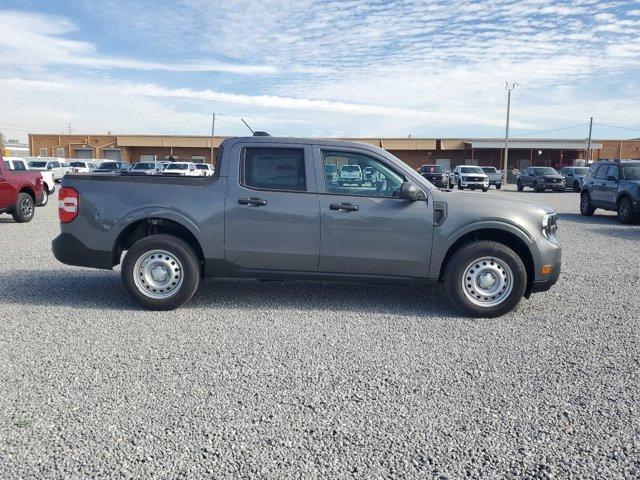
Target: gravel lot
[[272, 380]]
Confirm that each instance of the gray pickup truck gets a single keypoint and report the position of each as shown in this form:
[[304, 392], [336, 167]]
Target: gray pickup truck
[[270, 212]]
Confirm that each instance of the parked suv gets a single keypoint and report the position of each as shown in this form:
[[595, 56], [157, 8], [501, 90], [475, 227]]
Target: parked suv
[[468, 176], [573, 177], [541, 179], [612, 185]]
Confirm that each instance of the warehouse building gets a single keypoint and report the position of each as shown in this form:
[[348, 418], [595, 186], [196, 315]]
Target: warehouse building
[[414, 151]]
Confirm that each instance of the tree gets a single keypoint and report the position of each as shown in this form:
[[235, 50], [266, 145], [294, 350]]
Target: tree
[[1, 144]]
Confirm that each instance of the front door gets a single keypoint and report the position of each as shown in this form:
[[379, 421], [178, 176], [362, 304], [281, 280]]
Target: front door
[[271, 213], [365, 229], [7, 191], [610, 188], [599, 185]]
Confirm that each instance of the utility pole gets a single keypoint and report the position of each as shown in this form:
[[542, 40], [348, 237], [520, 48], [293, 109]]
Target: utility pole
[[213, 127], [69, 128], [589, 142], [508, 86]]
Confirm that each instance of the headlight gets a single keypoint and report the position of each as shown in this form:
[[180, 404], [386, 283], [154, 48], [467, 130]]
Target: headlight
[[549, 224]]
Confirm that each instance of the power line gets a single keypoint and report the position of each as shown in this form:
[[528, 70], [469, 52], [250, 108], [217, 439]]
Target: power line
[[551, 130], [616, 126]]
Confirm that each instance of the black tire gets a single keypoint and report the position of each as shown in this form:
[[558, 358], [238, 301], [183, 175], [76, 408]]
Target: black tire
[[536, 187], [498, 186], [520, 186], [45, 197], [24, 209], [586, 207], [459, 263], [485, 189], [460, 187], [576, 186], [177, 248], [625, 211]]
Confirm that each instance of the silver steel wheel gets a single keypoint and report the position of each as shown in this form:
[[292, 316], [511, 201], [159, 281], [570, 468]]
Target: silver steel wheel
[[623, 210], [26, 208], [158, 274], [487, 281]]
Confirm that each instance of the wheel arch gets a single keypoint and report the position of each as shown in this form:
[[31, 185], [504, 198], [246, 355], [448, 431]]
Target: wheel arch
[[509, 237], [28, 190], [152, 226]]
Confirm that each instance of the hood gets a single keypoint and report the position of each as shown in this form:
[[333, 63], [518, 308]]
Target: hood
[[492, 206], [555, 176]]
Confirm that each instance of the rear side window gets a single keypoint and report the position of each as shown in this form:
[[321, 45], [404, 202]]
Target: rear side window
[[273, 169]]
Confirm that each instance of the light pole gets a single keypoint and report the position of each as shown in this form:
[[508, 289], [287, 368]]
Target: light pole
[[508, 86]]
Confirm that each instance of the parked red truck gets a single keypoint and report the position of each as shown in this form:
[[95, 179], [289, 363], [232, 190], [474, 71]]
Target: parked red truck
[[19, 192]]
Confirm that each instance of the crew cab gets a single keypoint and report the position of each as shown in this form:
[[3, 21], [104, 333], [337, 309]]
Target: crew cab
[[436, 174], [20, 190], [269, 213], [494, 175], [56, 167], [615, 186], [48, 183], [468, 176]]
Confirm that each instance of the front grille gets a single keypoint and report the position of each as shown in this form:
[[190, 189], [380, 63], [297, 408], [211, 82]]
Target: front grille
[[473, 179]]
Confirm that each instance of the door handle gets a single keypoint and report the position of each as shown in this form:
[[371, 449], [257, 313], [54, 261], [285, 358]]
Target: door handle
[[252, 201], [344, 207], [3, 179]]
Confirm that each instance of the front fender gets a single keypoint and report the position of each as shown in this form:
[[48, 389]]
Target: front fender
[[444, 240]]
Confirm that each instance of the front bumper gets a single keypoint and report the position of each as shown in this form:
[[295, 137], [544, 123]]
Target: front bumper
[[68, 249], [544, 285], [474, 184]]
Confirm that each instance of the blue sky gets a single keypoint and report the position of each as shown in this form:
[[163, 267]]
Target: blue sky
[[311, 68]]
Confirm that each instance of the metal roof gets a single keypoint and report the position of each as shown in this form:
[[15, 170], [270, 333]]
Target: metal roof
[[543, 144]]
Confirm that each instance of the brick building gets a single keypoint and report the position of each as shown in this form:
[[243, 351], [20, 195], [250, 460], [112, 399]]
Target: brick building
[[413, 151]]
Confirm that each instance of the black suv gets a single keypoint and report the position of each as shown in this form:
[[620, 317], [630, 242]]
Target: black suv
[[612, 185], [541, 179]]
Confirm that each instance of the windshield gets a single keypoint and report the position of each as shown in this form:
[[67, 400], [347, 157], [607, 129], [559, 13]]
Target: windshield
[[143, 166], [432, 169], [489, 170], [38, 164], [177, 166], [580, 170], [78, 164], [329, 168], [471, 170], [109, 166], [631, 171], [545, 171]]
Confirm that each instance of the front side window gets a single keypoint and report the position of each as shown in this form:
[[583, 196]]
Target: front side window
[[360, 174], [273, 169], [602, 172]]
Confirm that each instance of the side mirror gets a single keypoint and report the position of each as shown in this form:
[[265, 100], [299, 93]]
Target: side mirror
[[408, 191]]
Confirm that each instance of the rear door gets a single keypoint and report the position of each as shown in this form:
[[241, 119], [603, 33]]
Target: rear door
[[272, 217], [7, 190], [364, 229]]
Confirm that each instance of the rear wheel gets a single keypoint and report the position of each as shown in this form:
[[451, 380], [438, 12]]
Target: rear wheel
[[586, 207], [24, 210], [625, 211], [485, 279], [161, 272]]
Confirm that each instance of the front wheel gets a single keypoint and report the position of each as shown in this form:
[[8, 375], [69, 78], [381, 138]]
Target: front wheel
[[24, 209], [536, 187], [498, 186], [625, 211], [485, 279], [576, 186], [586, 207], [460, 187], [484, 189], [520, 187], [161, 272]]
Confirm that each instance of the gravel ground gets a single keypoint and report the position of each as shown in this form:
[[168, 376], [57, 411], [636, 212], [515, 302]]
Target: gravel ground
[[275, 380]]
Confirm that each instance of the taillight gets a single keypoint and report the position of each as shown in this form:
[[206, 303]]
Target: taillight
[[68, 200]]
